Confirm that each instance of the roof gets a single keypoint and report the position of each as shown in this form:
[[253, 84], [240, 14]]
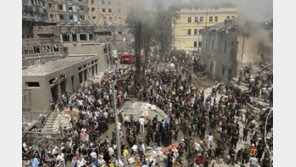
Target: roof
[[53, 66], [227, 24]]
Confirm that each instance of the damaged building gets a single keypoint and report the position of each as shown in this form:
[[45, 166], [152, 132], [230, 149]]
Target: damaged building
[[49, 42], [47, 82], [229, 46]]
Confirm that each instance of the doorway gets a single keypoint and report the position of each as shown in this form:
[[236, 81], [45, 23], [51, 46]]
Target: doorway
[[54, 93], [63, 86], [73, 86]]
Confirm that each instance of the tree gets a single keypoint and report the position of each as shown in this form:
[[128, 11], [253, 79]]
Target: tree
[[163, 32]]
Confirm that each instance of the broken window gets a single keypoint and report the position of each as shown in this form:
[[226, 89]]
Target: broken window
[[216, 18], [36, 49], [189, 19], [66, 38], [74, 37], [33, 84], [211, 19], [48, 49], [70, 8], [83, 37], [81, 8], [60, 6], [51, 81], [71, 17], [91, 37], [82, 17], [196, 19], [201, 19], [195, 44], [189, 32], [62, 76], [26, 52], [61, 17]]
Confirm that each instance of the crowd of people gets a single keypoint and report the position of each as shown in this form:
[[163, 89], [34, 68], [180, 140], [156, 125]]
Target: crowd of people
[[206, 127]]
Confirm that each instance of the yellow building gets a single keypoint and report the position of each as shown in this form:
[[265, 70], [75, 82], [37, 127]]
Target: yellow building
[[191, 19]]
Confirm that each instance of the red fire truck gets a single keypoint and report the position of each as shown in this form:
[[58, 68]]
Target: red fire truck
[[127, 58]]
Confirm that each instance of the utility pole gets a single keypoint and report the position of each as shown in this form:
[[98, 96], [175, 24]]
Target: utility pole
[[118, 142]]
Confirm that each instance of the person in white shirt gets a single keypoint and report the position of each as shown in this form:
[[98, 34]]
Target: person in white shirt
[[253, 162], [81, 162], [210, 140], [142, 148], [61, 159], [135, 149], [111, 151], [93, 154], [196, 146], [101, 161], [142, 124]]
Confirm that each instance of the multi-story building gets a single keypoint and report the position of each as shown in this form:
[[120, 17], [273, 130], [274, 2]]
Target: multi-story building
[[192, 17], [50, 42], [229, 46], [34, 12], [109, 12], [68, 12]]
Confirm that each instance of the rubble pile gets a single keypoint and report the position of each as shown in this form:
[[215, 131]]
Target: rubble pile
[[62, 119]]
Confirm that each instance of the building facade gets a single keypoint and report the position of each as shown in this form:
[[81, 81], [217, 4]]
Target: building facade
[[49, 81], [68, 12], [34, 12], [50, 42], [109, 12], [192, 18], [229, 46]]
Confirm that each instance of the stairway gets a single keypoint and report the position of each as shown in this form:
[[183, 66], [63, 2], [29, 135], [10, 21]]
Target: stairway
[[49, 122]]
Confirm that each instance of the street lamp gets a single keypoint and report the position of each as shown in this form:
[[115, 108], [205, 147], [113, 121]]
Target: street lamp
[[118, 142]]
